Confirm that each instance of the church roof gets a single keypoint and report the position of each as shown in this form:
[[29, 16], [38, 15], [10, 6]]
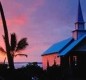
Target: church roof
[[63, 47], [71, 46], [57, 47]]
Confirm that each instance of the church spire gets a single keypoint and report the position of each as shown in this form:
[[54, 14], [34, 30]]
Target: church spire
[[80, 15], [79, 25]]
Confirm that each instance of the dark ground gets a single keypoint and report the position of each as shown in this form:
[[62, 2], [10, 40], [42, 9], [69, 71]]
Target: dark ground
[[34, 72]]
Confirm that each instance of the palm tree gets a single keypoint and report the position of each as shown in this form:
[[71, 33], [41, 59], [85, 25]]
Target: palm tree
[[10, 59], [16, 46], [10, 50]]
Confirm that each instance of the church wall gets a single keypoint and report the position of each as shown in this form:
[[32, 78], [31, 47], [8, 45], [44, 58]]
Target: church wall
[[50, 58], [81, 48]]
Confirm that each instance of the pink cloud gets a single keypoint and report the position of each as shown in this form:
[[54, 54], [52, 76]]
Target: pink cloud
[[19, 21], [18, 13], [14, 24]]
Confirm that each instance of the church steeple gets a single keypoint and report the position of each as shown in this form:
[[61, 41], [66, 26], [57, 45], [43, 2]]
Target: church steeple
[[80, 15], [79, 25]]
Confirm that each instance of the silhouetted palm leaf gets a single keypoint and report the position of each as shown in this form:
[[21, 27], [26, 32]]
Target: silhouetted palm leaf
[[21, 55], [22, 44], [2, 50], [13, 42]]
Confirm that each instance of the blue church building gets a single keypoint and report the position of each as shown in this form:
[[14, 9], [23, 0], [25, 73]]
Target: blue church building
[[70, 52]]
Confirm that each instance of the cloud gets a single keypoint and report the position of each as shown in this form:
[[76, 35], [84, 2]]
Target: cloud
[[19, 21], [18, 13]]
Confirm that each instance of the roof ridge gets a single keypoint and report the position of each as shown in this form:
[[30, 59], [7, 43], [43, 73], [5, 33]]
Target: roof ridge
[[66, 45], [55, 48], [72, 46]]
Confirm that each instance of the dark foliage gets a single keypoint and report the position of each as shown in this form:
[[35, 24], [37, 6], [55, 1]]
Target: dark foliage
[[22, 44], [24, 73], [34, 71], [54, 72]]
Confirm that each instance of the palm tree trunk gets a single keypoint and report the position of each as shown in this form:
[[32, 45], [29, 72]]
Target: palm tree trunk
[[10, 59]]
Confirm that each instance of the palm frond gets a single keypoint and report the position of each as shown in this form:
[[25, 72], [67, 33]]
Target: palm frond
[[21, 55], [13, 42], [2, 50], [22, 44]]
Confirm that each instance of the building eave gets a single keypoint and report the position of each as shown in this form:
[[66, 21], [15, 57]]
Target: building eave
[[71, 46], [49, 54]]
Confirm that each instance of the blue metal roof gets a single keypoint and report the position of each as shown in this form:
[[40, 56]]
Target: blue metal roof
[[57, 46], [63, 47], [71, 46]]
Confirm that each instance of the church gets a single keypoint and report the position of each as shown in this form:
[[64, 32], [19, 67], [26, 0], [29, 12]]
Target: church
[[71, 51]]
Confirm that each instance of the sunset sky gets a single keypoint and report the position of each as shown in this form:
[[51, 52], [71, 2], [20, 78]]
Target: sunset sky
[[43, 22]]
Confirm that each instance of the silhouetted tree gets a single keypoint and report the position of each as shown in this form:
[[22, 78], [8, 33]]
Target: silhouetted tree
[[34, 70], [10, 59], [54, 73], [11, 50], [16, 46]]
